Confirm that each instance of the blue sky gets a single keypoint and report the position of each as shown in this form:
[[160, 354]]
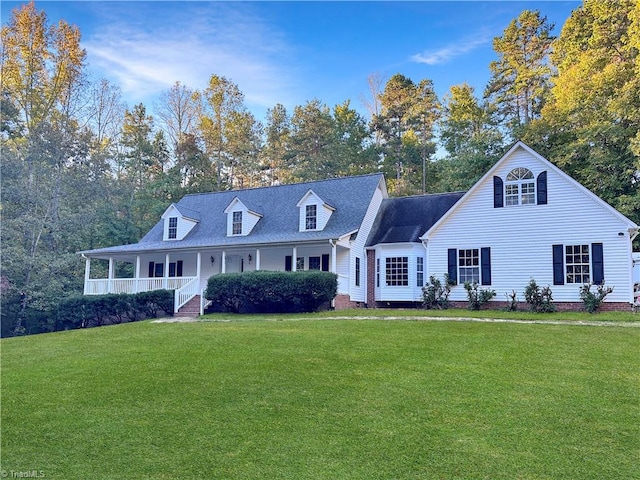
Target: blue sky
[[289, 52]]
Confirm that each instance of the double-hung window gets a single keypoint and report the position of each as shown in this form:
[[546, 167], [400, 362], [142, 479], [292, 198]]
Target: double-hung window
[[578, 264], [236, 225], [311, 217], [173, 228], [469, 265], [420, 272], [520, 187]]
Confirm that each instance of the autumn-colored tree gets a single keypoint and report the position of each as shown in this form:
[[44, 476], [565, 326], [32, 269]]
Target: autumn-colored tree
[[41, 65], [592, 119]]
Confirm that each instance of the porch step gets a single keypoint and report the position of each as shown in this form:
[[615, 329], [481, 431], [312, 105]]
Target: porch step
[[189, 309]]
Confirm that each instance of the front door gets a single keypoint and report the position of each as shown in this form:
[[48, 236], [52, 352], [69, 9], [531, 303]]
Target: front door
[[235, 264]]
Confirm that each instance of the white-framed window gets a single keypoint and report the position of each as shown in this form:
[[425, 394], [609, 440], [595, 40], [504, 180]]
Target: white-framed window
[[520, 187], [397, 271], [357, 271], [311, 217], [420, 272], [236, 223], [377, 272], [469, 265], [172, 233], [578, 263]]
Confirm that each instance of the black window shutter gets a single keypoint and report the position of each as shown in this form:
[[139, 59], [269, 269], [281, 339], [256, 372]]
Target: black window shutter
[[498, 193], [325, 262], [452, 265], [541, 188], [485, 264], [597, 260], [288, 263], [558, 265], [152, 269], [172, 269], [179, 268]]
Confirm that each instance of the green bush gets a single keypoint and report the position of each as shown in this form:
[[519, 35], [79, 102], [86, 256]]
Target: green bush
[[271, 292], [539, 299], [435, 294], [591, 300], [477, 296], [95, 310]]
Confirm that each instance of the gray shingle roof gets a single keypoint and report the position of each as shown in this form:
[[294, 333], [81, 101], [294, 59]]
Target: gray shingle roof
[[279, 224], [406, 219]]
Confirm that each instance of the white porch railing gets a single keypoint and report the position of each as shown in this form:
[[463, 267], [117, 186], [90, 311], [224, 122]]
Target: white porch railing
[[186, 293], [103, 286]]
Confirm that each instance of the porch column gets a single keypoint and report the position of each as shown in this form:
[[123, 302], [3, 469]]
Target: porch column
[[294, 260], [198, 268], [111, 275], [87, 273], [223, 267], [334, 260], [166, 271], [257, 259], [137, 287]]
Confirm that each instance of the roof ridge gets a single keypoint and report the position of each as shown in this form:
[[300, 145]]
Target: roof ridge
[[308, 182]]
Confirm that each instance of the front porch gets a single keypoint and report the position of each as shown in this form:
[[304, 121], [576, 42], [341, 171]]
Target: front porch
[[187, 272]]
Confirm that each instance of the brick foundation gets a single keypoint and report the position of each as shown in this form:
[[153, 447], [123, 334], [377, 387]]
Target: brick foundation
[[342, 302]]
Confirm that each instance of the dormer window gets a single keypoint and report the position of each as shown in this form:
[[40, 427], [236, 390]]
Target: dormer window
[[311, 217], [240, 219], [172, 233], [314, 212], [178, 222], [520, 187], [236, 227]]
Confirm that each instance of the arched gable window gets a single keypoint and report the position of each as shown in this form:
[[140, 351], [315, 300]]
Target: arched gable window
[[520, 187]]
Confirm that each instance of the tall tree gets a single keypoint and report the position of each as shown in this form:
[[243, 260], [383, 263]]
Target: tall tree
[[277, 138], [310, 152], [470, 134], [221, 100], [405, 125], [353, 151], [41, 64], [590, 122], [520, 78], [177, 111]]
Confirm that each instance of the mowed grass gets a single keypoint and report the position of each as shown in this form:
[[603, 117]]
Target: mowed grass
[[324, 399]]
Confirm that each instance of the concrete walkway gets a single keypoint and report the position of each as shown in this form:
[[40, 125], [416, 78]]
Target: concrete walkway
[[586, 323]]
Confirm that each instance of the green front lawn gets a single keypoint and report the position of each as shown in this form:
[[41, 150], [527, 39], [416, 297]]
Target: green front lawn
[[324, 399]]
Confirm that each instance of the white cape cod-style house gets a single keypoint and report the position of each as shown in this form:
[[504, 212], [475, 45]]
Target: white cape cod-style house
[[525, 219]]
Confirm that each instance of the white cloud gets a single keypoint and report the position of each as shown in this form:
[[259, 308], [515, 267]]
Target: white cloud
[[446, 54], [145, 59]]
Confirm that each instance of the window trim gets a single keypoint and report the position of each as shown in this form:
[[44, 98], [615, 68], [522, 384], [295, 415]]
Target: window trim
[[236, 222], [311, 217], [397, 271], [520, 183], [172, 228], [419, 271]]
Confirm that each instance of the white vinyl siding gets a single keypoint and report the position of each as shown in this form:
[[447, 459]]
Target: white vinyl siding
[[521, 239]]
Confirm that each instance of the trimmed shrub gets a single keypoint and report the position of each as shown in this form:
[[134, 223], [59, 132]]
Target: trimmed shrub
[[271, 292], [95, 310]]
